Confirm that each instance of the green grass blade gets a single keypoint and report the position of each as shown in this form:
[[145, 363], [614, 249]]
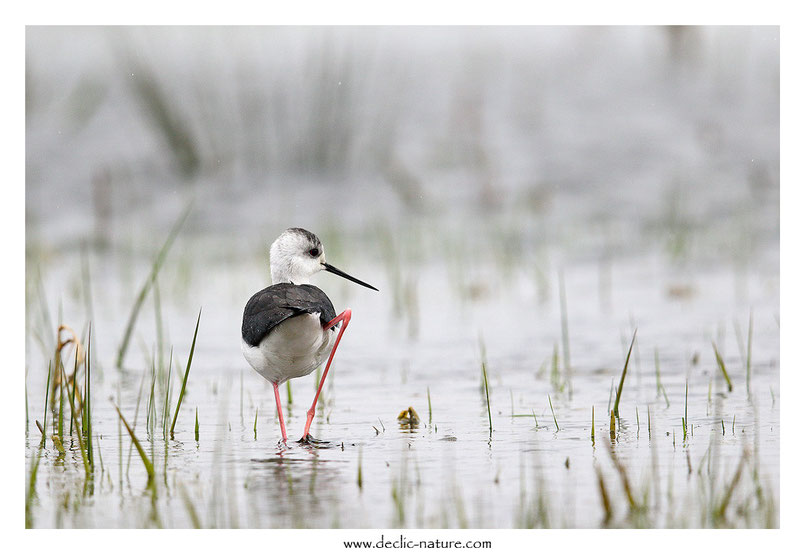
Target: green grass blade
[[487, 396], [624, 374], [88, 398], [87, 469], [749, 349], [721, 364], [552, 414], [141, 297], [187, 371], [45, 415], [166, 406], [146, 462], [428, 393]]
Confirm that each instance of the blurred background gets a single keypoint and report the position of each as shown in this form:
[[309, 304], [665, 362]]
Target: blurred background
[[588, 137]]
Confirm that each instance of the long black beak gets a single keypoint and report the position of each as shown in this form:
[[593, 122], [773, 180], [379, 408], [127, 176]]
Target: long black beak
[[334, 270]]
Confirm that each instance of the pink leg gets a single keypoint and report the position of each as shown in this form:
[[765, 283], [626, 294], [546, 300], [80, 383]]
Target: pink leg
[[344, 317], [279, 410]]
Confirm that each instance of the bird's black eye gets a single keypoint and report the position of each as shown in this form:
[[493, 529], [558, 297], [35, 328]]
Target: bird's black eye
[[314, 252]]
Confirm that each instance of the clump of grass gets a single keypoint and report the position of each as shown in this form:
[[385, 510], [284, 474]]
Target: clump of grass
[[593, 427], [255, 423], [196, 428], [721, 365], [624, 374], [150, 280], [81, 448], [185, 379]]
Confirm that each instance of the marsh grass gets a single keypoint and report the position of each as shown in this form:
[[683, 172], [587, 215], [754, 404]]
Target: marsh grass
[[552, 414], [147, 464], [624, 374], [658, 385], [185, 378], [487, 396], [721, 364], [486, 384], [428, 394]]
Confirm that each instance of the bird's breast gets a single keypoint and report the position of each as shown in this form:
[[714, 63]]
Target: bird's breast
[[291, 349]]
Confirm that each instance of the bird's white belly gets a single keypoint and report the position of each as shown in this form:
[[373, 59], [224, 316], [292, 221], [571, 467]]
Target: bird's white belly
[[292, 349]]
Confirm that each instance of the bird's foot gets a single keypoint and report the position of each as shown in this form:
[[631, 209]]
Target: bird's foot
[[310, 440]]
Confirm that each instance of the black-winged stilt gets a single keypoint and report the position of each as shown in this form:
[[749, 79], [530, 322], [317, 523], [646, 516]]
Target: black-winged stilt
[[290, 327]]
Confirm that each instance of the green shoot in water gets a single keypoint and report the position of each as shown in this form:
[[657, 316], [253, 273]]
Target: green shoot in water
[[428, 394], [624, 374], [187, 371], [721, 365], [487, 395], [166, 405], [146, 462], [45, 416], [87, 418], [552, 414]]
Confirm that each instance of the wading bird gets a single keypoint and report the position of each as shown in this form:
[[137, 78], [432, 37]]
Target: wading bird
[[290, 327]]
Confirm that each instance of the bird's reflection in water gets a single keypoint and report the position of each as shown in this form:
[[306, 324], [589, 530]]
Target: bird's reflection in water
[[294, 488]]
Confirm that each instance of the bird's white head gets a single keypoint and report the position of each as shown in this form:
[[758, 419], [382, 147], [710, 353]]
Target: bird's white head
[[295, 256]]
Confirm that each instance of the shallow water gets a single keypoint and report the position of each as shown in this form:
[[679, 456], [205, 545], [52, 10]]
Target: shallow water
[[632, 189], [449, 470]]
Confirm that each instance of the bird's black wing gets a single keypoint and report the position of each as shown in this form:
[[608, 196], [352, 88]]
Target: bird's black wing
[[275, 304]]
